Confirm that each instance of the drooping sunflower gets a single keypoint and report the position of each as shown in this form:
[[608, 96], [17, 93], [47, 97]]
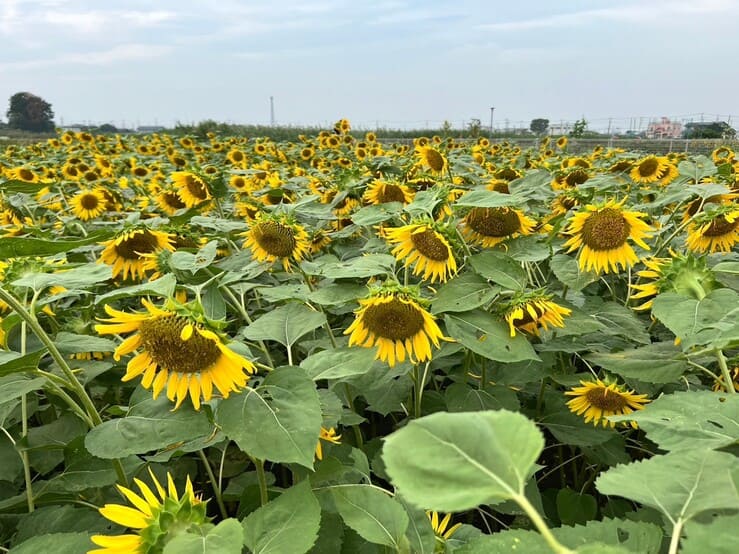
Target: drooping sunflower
[[272, 237], [685, 274], [380, 192], [126, 253], [714, 231], [328, 435], [649, 169], [425, 248], [155, 520], [598, 400], [490, 226], [531, 312], [88, 204], [602, 233], [433, 159], [394, 321], [192, 189], [177, 353]]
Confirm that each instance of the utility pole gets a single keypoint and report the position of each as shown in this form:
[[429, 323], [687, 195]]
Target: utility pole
[[492, 109], [272, 111]]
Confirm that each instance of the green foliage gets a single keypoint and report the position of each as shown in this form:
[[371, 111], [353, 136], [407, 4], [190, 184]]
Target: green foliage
[[29, 112]]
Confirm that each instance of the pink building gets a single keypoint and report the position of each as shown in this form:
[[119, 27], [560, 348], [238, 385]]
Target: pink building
[[664, 128]]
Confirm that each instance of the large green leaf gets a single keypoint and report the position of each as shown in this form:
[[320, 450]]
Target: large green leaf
[[463, 293], [285, 324], [360, 267], [286, 525], [79, 277], [567, 271], [454, 462], [70, 343], [338, 363], [55, 542], [162, 287], [488, 336], [15, 247], [12, 362], [372, 513], [484, 198], [280, 420], [148, 425], [716, 537], [661, 362], [420, 534], [499, 268], [681, 485], [225, 538], [690, 419]]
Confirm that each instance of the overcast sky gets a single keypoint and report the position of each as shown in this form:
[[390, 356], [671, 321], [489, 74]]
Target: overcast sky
[[399, 63]]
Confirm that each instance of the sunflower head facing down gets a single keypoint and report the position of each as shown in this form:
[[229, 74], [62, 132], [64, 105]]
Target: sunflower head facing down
[[394, 319], [273, 238], [432, 159], [490, 226], [533, 311], [128, 252], [602, 233], [177, 351], [154, 518], [422, 246], [598, 400]]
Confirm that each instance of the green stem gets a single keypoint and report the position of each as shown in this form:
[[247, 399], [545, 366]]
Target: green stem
[[728, 381], [538, 522], [262, 478], [677, 530], [214, 483], [245, 315], [24, 430]]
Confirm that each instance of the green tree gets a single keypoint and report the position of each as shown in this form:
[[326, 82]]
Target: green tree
[[713, 130], [474, 127], [579, 128], [29, 112], [539, 126]]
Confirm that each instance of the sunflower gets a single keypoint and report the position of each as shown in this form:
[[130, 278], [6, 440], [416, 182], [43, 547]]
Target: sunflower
[[490, 226], [561, 143], [649, 169], [432, 158], [126, 252], [722, 155], [169, 201], [534, 311], [155, 520], [191, 188], [380, 192], [441, 532], [598, 400], [271, 238], [177, 353], [88, 204], [603, 232], [328, 435], [395, 322], [714, 231], [319, 239], [684, 274], [427, 249]]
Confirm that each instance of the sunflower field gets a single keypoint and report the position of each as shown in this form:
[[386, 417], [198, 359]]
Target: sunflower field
[[339, 345]]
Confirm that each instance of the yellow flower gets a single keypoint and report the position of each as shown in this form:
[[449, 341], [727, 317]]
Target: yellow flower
[[380, 192], [602, 233], [533, 312], [715, 232], [425, 248], [328, 435], [649, 169], [490, 226], [440, 526], [397, 324], [127, 252], [433, 159], [191, 188], [88, 204], [599, 400], [155, 520], [272, 239], [169, 202], [176, 353]]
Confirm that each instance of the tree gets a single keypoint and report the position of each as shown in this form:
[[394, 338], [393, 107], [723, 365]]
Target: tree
[[539, 126], [579, 128], [712, 130], [474, 127], [29, 112]]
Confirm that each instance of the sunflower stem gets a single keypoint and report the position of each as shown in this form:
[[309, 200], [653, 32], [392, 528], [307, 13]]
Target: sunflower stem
[[538, 522], [677, 530], [214, 484], [728, 381], [24, 430], [262, 478]]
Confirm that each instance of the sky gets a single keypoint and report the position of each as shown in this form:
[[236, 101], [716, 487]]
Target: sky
[[392, 63]]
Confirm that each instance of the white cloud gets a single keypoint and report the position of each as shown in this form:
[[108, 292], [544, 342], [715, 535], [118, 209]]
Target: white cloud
[[120, 53]]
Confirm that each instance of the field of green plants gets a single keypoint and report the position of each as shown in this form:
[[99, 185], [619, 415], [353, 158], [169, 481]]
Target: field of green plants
[[342, 345]]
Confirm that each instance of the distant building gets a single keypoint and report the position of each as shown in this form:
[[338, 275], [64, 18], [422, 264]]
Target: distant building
[[149, 128], [664, 128], [560, 129]]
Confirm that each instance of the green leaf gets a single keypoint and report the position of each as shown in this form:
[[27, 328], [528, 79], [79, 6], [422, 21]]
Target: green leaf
[[574, 508], [679, 484], [149, 425], [617, 320], [162, 287], [15, 386], [284, 292], [285, 324], [464, 398], [499, 268], [567, 270], [16, 247], [569, 428], [24, 187], [660, 362], [454, 462], [360, 267], [717, 537], [193, 263], [690, 419], [225, 538], [420, 534], [484, 198], [286, 525], [336, 294], [218, 224], [70, 343], [55, 542], [372, 513], [12, 362], [529, 248], [486, 335], [339, 363], [61, 519], [372, 215], [77, 278], [279, 421], [462, 293]]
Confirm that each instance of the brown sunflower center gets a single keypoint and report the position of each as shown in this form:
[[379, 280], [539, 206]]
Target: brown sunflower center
[[494, 222], [160, 337], [434, 159], [391, 193], [394, 320], [172, 200], [277, 239], [428, 243], [648, 167], [720, 227], [527, 318], [26, 174], [89, 201], [196, 187], [606, 399], [507, 174], [577, 177], [606, 229], [131, 247]]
